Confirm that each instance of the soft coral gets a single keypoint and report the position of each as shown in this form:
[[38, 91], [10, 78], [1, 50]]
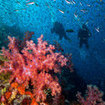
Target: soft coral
[[34, 63], [93, 96]]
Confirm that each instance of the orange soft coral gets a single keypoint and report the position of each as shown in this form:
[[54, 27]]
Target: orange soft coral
[[29, 93], [7, 95], [34, 102], [21, 90], [14, 85]]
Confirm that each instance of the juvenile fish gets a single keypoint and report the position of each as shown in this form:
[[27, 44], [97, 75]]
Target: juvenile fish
[[61, 11], [30, 3]]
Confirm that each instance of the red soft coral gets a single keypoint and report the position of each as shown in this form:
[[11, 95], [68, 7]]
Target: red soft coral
[[34, 63], [93, 96]]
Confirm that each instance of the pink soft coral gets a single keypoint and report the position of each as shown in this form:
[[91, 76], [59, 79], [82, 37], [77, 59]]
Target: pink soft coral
[[35, 63], [93, 96]]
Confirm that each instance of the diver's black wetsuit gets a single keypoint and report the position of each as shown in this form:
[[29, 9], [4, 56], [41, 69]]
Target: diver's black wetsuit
[[83, 35]]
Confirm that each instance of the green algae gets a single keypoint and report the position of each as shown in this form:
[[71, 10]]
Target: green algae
[[4, 77]]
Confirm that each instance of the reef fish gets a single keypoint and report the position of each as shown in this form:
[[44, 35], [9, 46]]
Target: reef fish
[[30, 3], [61, 11], [97, 29]]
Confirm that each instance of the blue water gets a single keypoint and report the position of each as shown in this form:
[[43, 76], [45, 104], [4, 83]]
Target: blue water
[[39, 18]]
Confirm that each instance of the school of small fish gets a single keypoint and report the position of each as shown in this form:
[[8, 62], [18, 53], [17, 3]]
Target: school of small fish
[[77, 17]]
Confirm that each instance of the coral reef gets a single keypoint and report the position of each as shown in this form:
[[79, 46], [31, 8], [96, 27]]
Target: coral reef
[[93, 96], [29, 75], [33, 68]]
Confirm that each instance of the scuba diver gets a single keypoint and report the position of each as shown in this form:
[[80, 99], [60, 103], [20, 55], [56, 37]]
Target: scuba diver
[[83, 35], [59, 30]]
